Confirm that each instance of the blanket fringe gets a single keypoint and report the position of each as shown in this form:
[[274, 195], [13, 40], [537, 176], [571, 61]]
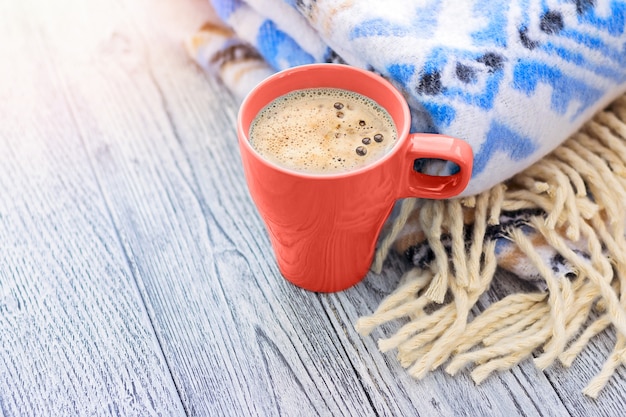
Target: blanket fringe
[[580, 193]]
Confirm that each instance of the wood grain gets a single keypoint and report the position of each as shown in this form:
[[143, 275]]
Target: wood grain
[[136, 275], [76, 338]]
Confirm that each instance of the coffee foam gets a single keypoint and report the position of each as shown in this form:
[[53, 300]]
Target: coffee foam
[[323, 131]]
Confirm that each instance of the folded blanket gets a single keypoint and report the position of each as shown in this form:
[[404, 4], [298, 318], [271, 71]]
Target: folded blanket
[[512, 78], [515, 79]]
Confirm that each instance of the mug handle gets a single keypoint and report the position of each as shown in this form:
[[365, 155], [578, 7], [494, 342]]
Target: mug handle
[[435, 146]]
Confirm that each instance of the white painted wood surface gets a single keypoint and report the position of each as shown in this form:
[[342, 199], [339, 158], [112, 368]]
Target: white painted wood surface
[[135, 275]]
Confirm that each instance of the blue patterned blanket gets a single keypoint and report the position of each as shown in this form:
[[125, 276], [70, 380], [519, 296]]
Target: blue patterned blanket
[[514, 78]]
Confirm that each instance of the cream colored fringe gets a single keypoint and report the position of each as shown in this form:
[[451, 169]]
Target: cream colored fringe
[[558, 323]]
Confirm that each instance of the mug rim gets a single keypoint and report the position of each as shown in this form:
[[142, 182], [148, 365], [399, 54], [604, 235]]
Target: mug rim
[[401, 131]]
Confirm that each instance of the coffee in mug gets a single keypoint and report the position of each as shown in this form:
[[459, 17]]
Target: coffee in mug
[[324, 227], [323, 131]]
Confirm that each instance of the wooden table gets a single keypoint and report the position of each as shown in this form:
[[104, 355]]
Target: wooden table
[[136, 277]]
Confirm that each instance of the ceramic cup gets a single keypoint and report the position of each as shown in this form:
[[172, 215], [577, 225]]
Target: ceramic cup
[[324, 228]]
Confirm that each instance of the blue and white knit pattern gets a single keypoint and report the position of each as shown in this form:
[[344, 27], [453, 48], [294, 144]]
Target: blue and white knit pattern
[[514, 78]]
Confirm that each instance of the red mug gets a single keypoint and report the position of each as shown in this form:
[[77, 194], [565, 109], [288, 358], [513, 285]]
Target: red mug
[[324, 228]]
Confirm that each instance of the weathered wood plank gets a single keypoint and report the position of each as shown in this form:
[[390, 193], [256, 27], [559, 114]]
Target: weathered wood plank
[[75, 338]]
